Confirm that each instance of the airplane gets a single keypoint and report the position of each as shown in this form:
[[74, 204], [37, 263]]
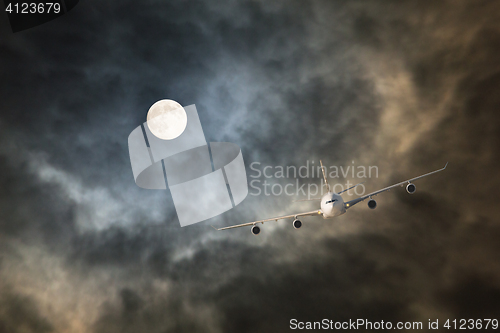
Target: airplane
[[332, 204]]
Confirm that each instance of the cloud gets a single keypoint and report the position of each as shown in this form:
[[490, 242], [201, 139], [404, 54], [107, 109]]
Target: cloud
[[406, 86], [20, 314]]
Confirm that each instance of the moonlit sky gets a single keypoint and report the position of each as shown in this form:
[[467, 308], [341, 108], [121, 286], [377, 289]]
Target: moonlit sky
[[403, 85]]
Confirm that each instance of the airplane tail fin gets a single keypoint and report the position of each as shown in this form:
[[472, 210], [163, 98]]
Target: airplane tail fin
[[324, 176]]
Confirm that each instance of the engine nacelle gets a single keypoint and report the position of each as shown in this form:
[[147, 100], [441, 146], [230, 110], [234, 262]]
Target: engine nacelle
[[372, 204], [297, 224], [411, 188], [255, 230]]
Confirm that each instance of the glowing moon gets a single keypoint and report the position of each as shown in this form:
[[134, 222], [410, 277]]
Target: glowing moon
[[167, 119]]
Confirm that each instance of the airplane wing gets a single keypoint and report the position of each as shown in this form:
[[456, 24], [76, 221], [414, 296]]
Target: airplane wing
[[314, 212], [351, 203]]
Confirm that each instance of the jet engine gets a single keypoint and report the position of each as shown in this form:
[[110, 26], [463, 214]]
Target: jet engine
[[411, 188], [297, 224], [255, 230], [372, 204]]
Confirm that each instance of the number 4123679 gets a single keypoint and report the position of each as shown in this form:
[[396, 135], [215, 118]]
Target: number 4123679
[[34, 8], [464, 324]]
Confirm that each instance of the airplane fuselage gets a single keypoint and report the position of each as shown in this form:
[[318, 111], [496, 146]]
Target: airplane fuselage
[[332, 205]]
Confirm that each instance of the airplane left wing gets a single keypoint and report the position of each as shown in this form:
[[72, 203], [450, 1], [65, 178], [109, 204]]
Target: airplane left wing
[[314, 212], [355, 201]]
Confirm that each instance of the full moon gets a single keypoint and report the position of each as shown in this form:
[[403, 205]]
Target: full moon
[[167, 119]]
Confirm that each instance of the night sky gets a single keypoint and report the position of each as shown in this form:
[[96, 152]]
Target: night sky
[[402, 85]]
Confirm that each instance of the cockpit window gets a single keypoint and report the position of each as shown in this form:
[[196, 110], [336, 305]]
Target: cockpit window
[[331, 201]]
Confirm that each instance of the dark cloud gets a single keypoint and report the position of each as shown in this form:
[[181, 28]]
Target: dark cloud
[[473, 297], [20, 314], [405, 85]]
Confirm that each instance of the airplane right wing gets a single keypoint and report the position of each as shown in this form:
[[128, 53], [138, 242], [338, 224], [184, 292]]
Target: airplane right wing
[[351, 203]]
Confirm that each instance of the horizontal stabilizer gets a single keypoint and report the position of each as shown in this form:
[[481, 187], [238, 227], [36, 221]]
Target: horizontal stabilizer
[[349, 188], [312, 199]]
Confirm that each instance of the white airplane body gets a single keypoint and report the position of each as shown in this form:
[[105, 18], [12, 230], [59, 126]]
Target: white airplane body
[[332, 204]]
